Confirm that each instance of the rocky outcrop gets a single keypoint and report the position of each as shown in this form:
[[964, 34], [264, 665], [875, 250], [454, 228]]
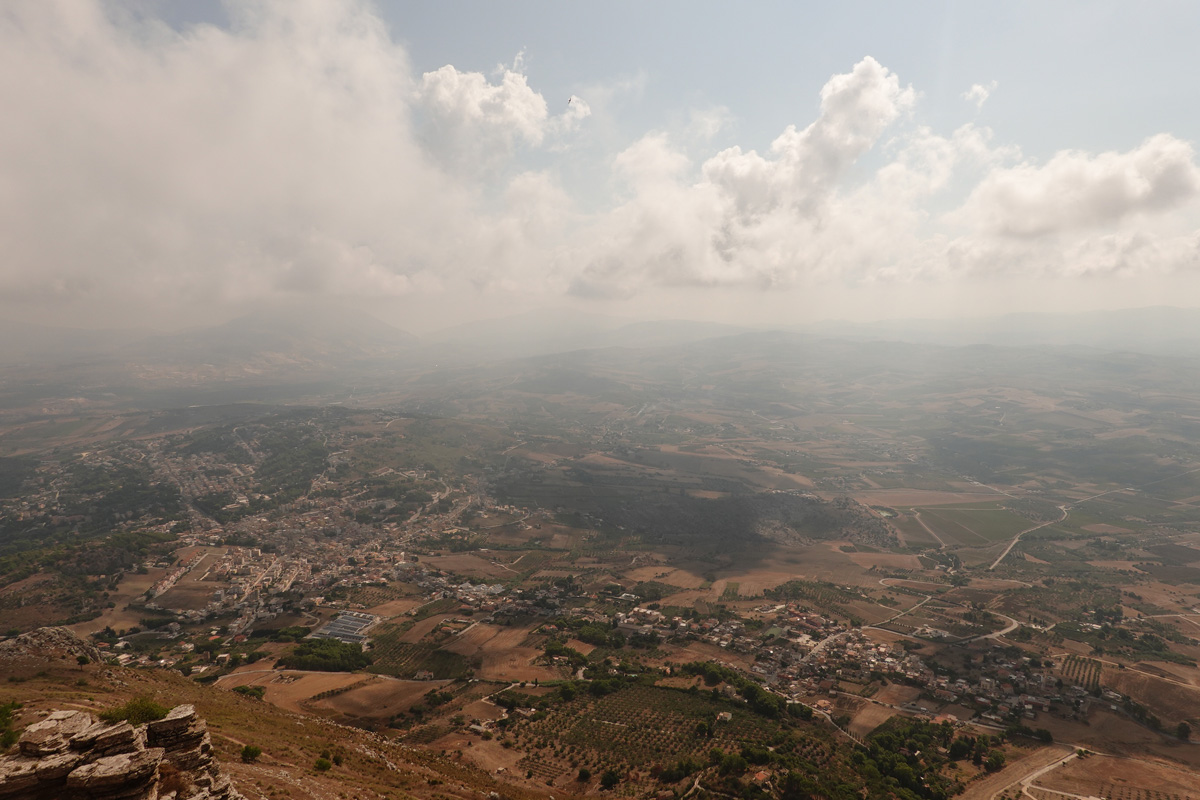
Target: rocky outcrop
[[70, 755], [48, 643]]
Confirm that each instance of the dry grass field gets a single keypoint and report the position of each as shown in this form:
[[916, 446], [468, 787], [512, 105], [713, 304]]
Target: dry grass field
[[1170, 699], [987, 787], [867, 717], [376, 700], [290, 688], [479, 565], [888, 560], [394, 608], [500, 655], [1103, 776]]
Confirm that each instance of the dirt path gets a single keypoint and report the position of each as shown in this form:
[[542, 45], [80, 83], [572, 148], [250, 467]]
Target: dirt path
[[917, 516]]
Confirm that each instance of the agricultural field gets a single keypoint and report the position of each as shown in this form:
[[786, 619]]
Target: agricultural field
[[972, 526], [643, 726], [1119, 779]]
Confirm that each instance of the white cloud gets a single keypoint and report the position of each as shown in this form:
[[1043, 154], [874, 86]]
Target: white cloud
[[755, 219], [979, 93], [1077, 190], [577, 111], [142, 168], [473, 121]]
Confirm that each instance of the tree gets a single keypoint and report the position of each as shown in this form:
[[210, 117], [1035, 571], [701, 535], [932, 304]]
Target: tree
[[250, 753], [82, 661], [609, 779], [585, 775], [733, 764], [995, 761], [1184, 731]]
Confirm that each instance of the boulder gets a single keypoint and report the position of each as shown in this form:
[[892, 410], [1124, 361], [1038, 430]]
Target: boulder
[[17, 777], [119, 776], [52, 734]]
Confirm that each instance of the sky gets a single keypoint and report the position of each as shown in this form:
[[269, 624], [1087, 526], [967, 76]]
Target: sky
[[167, 164]]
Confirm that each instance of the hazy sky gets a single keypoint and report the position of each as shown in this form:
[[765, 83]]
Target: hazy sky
[[170, 163]]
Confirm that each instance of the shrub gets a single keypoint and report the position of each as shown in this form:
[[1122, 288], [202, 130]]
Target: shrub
[[137, 711], [255, 692], [250, 753], [322, 764]]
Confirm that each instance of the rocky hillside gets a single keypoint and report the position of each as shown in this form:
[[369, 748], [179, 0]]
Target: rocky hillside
[[64, 753], [46, 644]]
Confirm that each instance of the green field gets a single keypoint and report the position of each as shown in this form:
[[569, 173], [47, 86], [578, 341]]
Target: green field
[[974, 527]]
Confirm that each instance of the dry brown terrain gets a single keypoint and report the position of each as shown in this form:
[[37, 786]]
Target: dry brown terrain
[[1102, 776], [988, 786], [479, 566], [289, 688], [907, 498], [1167, 697], [378, 699], [394, 608], [502, 659], [891, 560], [868, 717]]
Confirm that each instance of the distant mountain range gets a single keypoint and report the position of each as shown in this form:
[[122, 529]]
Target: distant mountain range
[[296, 336], [1160, 330], [285, 346]]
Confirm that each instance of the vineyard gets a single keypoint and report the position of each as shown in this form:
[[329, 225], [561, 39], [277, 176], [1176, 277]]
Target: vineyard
[[405, 660], [956, 621], [435, 607], [339, 690], [1081, 671], [821, 595], [1111, 791], [402, 659], [370, 596]]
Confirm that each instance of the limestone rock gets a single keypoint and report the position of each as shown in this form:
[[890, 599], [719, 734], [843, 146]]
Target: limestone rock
[[71, 755], [17, 777], [119, 776], [58, 766], [52, 734]]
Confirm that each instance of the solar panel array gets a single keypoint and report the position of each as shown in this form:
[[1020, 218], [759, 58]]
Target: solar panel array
[[348, 627]]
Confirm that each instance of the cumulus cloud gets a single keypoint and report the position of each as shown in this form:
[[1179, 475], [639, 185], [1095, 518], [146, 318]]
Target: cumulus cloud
[[472, 121], [979, 93], [761, 219], [1077, 190]]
